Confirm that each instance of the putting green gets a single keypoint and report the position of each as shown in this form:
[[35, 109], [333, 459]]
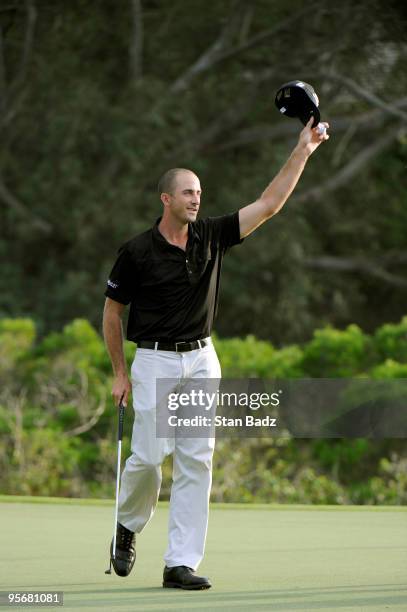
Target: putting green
[[258, 558]]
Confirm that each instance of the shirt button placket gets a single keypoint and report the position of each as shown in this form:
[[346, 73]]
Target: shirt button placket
[[188, 268]]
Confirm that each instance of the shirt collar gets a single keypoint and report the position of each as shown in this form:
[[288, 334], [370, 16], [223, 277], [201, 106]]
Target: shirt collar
[[193, 235]]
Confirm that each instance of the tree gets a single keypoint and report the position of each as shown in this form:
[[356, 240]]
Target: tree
[[97, 104]]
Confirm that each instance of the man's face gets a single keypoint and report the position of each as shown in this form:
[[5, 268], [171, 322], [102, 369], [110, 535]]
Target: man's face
[[185, 199]]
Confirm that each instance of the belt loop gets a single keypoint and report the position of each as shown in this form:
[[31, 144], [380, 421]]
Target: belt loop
[[199, 344], [155, 345]]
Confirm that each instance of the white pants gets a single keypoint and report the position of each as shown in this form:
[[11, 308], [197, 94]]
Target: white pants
[[192, 461]]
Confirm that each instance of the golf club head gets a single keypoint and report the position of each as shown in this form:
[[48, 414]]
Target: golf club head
[[298, 99]]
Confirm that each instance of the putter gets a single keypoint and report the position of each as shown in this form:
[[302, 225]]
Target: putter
[[119, 452]]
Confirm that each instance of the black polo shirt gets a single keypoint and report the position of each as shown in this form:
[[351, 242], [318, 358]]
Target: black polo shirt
[[173, 293]]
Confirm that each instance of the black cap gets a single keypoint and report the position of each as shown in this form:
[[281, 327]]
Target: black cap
[[298, 99]]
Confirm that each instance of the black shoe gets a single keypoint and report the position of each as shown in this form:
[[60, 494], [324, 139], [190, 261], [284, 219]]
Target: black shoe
[[183, 577], [125, 551]]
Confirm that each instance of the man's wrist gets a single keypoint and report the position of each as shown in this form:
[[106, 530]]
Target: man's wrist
[[121, 374], [301, 152]]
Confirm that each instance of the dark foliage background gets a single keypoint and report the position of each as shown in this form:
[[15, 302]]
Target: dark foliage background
[[99, 99]]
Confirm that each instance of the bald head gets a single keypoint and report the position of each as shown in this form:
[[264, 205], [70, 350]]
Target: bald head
[[180, 193], [168, 181]]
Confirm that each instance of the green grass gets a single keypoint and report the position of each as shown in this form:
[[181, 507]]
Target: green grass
[[258, 558], [28, 499]]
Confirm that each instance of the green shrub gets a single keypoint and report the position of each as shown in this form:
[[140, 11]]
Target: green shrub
[[16, 338], [390, 341], [58, 424], [335, 353]]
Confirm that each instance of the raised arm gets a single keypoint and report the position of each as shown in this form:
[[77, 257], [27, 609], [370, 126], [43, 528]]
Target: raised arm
[[279, 190], [113, 335]]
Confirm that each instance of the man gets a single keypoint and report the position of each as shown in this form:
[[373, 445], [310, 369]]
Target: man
[[170, 276]]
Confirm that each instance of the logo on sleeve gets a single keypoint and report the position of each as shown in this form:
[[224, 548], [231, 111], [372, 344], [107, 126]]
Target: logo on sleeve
[[112, 284]]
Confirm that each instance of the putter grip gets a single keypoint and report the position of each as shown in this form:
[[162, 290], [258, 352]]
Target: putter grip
[[121, 419]]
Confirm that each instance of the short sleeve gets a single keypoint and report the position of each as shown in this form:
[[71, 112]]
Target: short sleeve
[[121, 281], [226, 230]]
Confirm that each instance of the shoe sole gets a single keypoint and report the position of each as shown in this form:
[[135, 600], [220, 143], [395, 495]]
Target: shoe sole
[[186, 587]]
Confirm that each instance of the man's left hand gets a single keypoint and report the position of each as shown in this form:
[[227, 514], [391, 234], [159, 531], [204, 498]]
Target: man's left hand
[[310, 138]]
